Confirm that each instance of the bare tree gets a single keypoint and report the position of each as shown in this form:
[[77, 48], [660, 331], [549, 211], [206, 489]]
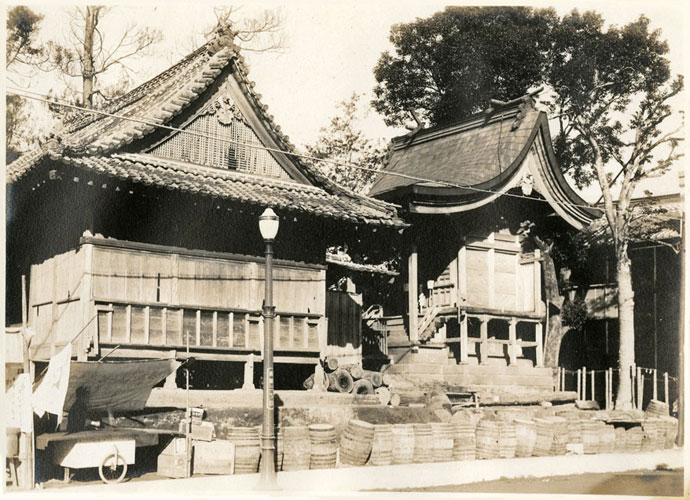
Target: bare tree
[[263, 33], [89, 54]]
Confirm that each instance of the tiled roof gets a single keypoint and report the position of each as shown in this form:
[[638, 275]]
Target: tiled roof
[[469, 153], [263, 191], [93, 140]]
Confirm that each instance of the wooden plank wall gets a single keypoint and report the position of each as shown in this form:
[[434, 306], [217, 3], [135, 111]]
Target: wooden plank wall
[[55, 311], [171, 279]]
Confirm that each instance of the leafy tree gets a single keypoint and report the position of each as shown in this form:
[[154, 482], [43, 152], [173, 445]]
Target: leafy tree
[[22, 50], [610, 91], [344, 141], [89, 55], [448, 66]]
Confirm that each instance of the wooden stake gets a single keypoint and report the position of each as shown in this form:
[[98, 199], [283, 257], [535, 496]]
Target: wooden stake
[[584, 383], [606, 389], [579, 383], [592, 384], [640, 388], [654, 384]]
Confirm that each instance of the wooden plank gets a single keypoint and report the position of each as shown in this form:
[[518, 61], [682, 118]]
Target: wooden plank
[[214, 341], [462, 276], [484, 336], [231, 321], [412, 295], [463, 340], [491, 264], [128, 324], [246, 331], [539, 339], [109, 330], [198, 327], [147, 325], [164, 325], [512, 338]]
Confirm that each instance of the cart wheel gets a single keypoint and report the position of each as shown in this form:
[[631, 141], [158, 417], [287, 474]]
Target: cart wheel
[[113, 469]]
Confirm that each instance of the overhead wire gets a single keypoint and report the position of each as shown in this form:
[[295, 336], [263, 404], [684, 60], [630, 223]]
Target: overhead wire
[[27, 94]]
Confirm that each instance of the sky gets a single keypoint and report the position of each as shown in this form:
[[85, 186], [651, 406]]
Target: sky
[[331, 49]]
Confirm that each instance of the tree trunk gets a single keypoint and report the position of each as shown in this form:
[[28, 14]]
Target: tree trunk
[[90, 17], [626, 325], [554, 330]]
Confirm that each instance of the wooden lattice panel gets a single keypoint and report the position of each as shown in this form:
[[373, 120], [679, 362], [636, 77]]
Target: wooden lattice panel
[[229, 144]]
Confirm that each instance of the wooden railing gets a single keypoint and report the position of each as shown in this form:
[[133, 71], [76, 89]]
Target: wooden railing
[[485, 343], [231, 329]]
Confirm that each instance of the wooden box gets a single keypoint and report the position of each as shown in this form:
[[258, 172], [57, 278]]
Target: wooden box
[[215, 457], [172, 462], [204, 431]]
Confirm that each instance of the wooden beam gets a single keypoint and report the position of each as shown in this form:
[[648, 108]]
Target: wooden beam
[[512, 338], [463, 339], [484, 336], [214, 341], [412, 295], [539, 339]]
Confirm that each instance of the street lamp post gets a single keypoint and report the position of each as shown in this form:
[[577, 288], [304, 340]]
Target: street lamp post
[[268, 225]]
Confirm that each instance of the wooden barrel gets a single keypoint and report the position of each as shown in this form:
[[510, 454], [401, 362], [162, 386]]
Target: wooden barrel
[[382, 445], [247, 451], [633, 439], [590, 436], [574, 426], [362, 386], [657, 409], [355, 443], [544, 440], [293, 448], [561, 435], [487, 439], [671, 431], [607, 438], [465, 441], [443, 435], [620, 442], [324, 446], [423, 444], [526, 437], [403, 443], [507, 440], [650, 433]]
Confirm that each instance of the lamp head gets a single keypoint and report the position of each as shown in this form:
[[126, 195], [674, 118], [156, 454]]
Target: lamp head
[[268, 224]]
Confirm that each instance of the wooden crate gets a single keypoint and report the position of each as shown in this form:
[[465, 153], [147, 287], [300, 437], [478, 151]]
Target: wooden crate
[[214, 457], [172, 462]]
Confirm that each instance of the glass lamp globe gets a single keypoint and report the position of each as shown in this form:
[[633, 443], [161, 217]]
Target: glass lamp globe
[[268, 224]]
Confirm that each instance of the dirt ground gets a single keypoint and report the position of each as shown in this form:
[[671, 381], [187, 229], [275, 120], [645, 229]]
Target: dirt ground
[[632, 483]]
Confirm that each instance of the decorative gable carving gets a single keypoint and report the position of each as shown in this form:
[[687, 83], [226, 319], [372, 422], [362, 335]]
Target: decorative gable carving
[[222, 138]]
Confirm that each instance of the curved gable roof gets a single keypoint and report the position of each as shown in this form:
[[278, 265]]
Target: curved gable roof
[[470, 163]]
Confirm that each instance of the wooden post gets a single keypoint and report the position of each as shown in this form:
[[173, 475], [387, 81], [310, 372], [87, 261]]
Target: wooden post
[[579, 384], [654, 384], [198, 327], [214, 339], [584, 383], [462, 276], [640, 388], [606, 389], [463, 339], [26, 468], [512, 338], [633, 384], [412, 291], [539, 338], [231, 329], [492, 275], [484, 336], [562, 372], [147, 316], [610, 401], [592, 385], [666, 389]]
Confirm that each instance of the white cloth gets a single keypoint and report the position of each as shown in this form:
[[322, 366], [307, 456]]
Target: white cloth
[[18, 403], [49, 396]]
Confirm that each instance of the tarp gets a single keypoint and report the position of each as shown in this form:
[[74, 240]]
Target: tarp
[[117, 385], [49, 396]]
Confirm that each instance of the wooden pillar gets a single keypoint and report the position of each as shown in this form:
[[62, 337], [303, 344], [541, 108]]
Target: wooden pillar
[[584, 383], [606, 389], [512, 338], [412, 296], [462, 276], [640, 388], [654, 384], [539, 339], [592, 384], [484, 336], [610, 399], [463, 339], [666, 389], [579, 384], [85, 293]]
